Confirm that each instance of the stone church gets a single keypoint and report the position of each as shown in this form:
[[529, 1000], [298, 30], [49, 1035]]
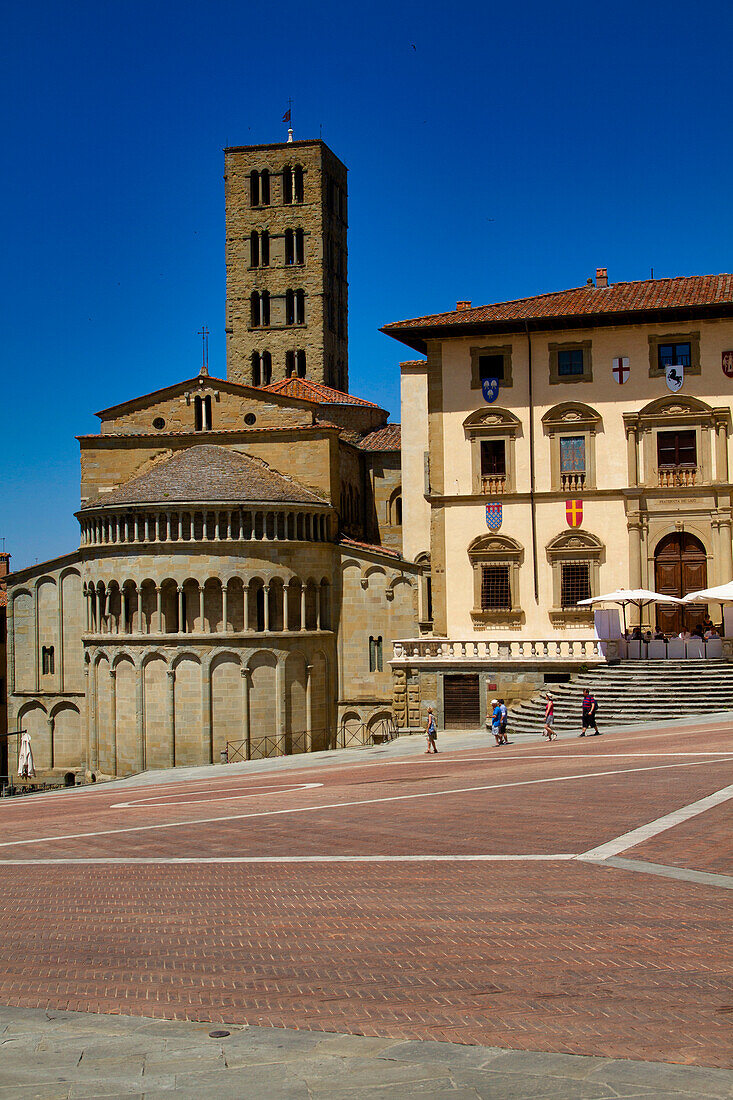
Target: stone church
[[239, 578]]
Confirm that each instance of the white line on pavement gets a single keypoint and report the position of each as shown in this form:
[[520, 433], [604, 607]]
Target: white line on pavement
[[228, 794], [293, 859], [346, 805], [659, 825]]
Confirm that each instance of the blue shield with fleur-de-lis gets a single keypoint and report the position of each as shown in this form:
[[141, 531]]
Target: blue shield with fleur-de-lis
[[490, 389], [493, 516]]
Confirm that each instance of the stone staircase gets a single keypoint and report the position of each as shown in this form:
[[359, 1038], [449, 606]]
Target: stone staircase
[[632, 692]]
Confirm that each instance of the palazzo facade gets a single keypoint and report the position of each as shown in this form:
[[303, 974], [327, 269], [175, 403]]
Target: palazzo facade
[[555, 448]]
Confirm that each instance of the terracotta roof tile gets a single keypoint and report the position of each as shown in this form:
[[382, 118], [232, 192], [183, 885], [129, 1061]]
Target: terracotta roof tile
[[388, 438], [207, 474], [344, 541], [3, 598], [306, 390], [584, 301]]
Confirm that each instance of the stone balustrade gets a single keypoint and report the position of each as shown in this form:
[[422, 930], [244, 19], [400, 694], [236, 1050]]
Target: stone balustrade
[[441, 650]]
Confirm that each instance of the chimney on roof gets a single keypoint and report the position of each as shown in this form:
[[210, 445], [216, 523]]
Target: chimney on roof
[[4, 564], [461, 306], [601, 276]]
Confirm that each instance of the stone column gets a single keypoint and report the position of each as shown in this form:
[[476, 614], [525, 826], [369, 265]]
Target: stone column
[[309, 708], [137, 528], [302, 605], [726, 548], [201, 609], [634, 525], [181, 615], [632, 456], [158, 609], [319, 594], [207, 747], [216, 525], [88, 595], [140, 720], [204, 525], [286, 590], [246, 728], [245, 598], [113, 710], [224, 607], [88, 705], [721, 450], [281, 709], [147, 528], [229, 525], [266, 607], [180, 526], [171, 716]]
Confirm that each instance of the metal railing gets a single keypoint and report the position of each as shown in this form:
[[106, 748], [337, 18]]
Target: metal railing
[[259, 748], [352, 735]]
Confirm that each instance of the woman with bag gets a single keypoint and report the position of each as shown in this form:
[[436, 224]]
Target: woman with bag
[[432, 732]]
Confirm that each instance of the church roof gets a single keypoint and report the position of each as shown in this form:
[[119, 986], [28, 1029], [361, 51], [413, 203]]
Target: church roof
[[208, 474], [579, 305], [388, 438], [306, 390]]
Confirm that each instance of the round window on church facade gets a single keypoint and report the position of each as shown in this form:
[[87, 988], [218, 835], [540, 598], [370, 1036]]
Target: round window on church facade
[[159, 422], [250, 419]]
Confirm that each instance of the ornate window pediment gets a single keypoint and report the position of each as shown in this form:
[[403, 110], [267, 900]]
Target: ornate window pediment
[[495, 560], [491, 421], [575, 558], [572, 415]]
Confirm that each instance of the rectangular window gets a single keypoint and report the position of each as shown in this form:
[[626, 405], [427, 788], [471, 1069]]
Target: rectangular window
[[493, 458], [47, 660], [671, 355], [572, 454], [570, 362], [495, 590], [491, 366], [676, 448], [575, 583]]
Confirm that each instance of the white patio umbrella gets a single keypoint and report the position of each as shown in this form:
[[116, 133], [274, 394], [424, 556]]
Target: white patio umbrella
[[722, 593], [25, 757], [640, 597]]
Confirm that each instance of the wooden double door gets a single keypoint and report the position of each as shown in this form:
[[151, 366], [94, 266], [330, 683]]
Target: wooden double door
[[680, 566]]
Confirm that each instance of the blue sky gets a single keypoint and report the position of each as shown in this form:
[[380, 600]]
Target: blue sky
[[494, 151]]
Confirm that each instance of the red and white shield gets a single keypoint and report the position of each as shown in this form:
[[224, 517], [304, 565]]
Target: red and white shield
[[620, 369]]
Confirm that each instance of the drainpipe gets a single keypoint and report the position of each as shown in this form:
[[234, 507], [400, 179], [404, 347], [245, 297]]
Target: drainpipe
[[532, 505]]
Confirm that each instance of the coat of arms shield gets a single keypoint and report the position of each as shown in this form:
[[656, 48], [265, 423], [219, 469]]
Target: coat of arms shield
[[574, 512], [620, 369], [493, 516], [675, 373], [490, 389]]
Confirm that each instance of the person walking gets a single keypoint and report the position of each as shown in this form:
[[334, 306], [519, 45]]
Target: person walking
[[503, 722], [496, 720], [548, 730], [431, 731], [589, 709]]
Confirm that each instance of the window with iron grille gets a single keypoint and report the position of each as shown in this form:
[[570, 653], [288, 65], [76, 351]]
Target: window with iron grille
[[575, 583], [495, 588]]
